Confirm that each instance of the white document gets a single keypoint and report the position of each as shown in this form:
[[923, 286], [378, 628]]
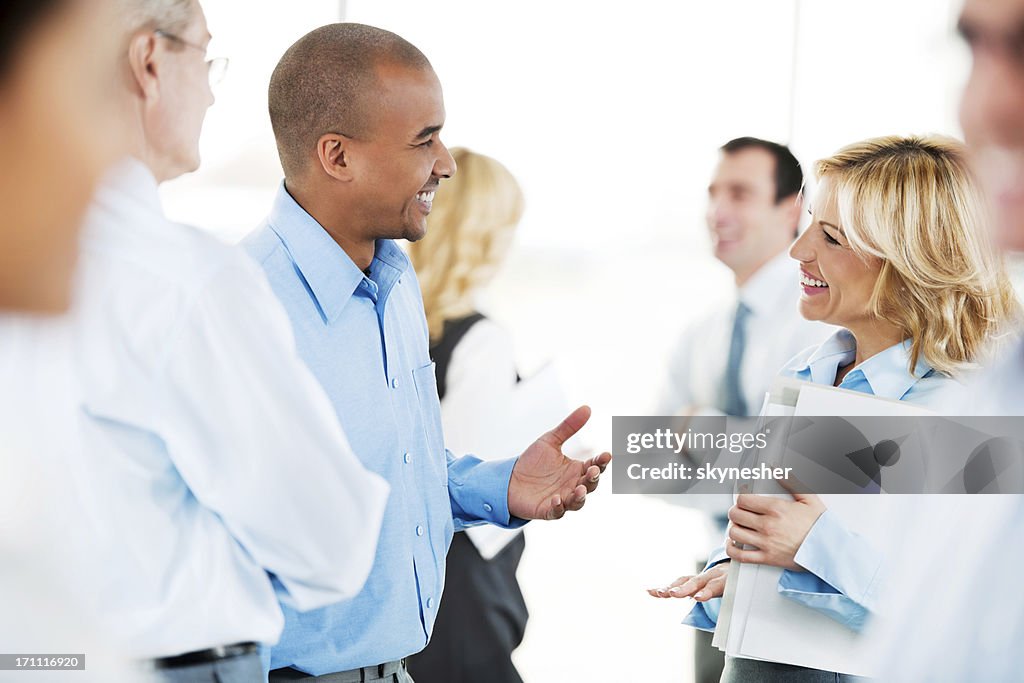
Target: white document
[[756, 622], [780, 630]]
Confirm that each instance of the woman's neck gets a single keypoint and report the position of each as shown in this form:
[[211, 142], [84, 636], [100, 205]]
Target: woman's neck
[[871, 339]]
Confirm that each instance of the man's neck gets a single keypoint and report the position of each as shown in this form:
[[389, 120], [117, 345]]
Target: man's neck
[[744, 275], [138, 148], [331, 219]]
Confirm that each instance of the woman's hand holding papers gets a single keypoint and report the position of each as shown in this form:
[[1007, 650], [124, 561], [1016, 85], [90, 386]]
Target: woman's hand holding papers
[[709, 584], [776, 528]]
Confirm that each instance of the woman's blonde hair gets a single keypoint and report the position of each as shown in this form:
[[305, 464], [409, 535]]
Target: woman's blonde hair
[[914, 203], [468, 232]]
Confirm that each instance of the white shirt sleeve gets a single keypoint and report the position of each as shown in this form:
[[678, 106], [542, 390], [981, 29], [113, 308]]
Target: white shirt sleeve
[[485, 410], [257, 441], [480, 384]]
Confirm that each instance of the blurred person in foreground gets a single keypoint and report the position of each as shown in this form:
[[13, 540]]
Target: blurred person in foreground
[[725, 362], [898, 258], [213, 476], [470, 229], [965, 619], [357, 114], [56, 61]]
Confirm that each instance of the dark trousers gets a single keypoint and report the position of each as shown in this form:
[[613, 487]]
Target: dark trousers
[[241, 669], [708, 660], [739, 670], [390, 672], [480, 621]]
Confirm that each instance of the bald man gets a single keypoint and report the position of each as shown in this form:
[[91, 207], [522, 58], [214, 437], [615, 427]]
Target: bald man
[[357, 113]]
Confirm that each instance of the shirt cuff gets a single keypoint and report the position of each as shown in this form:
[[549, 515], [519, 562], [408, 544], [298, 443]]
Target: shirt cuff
[[704, 615], [842, 573], [717, 556], [810, 591], [478, 490]]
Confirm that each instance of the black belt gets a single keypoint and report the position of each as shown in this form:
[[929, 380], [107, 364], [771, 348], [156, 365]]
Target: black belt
[[212, 654], [378, 672]]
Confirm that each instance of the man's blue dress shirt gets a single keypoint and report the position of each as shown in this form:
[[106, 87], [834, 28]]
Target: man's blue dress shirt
[[365, 338]]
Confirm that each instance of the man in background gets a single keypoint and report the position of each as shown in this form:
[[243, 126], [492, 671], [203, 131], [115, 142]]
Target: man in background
[[725, 363]]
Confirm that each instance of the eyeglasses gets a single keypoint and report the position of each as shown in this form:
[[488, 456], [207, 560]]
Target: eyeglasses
[[216, 67]]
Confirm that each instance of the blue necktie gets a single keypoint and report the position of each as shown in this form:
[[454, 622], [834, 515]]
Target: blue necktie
[[732, 392]]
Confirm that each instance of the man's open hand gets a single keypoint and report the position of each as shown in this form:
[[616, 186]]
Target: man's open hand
[[545, 483]]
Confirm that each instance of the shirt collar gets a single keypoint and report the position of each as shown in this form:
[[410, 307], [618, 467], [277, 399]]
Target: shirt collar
[[332, 276], [131, 180], [885, 372], [766, 289]]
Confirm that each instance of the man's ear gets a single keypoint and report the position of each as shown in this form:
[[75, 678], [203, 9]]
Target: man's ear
[[143, 63], [333, 151], [791, 208]]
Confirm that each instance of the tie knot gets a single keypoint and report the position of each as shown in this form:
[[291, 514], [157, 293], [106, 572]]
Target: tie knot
[[742, 311]]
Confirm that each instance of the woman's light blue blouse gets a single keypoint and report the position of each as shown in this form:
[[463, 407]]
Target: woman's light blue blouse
[[842, 569]]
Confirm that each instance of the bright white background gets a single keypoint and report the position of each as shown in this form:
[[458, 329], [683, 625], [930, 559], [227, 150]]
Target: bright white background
[[610, 114]]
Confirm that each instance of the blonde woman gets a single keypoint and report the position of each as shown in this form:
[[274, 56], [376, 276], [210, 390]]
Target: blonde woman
[[483, 615], [896, 255]]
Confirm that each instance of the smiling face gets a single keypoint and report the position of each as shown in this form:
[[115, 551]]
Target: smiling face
[[398, 166], [836, 282], [747, 226], [992, 109]]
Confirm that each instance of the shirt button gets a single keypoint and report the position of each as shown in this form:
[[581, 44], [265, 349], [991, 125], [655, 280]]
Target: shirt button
[[430, 603], [394, 382], [487, 507], [407, 458], [419, 530]]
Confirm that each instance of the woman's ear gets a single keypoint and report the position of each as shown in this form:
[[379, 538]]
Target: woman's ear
[[334, 151]]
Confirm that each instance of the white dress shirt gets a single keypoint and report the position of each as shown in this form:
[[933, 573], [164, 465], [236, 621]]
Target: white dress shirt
[[47, 570], [210, 455], [486, 410], [964, 620], [775, 333]]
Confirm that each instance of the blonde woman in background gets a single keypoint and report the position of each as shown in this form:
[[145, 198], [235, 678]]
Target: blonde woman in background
[[470, 228], [897, 255]]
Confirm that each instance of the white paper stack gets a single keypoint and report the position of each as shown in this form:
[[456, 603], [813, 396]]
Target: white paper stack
[[755, 621]]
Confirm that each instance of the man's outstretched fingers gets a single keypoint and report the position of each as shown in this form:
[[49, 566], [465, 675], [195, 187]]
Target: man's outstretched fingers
[[577, 498], [556, 509], [570, 425]]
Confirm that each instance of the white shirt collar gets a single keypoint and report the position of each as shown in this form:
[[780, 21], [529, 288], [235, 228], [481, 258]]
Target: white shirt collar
[[132, 179]]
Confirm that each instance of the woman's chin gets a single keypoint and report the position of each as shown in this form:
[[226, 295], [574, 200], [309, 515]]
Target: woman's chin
[[810, 311]]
